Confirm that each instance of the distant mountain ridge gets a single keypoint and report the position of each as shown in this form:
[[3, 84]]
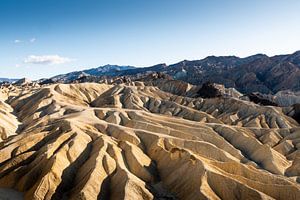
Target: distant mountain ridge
[[107, 70], [256, 73], [10, 80]]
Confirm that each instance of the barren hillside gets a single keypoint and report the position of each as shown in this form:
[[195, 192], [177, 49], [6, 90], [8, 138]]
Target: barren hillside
[[99, 141]]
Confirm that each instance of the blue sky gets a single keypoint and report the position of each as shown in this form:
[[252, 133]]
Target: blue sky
[[42, 38]]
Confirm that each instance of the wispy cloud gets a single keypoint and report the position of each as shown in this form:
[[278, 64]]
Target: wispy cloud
[[46, 59], [17, 41], [32, 40]]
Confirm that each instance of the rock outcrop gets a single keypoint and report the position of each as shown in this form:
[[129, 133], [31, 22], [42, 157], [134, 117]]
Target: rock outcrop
[[262, 99], [22, 82], [282, 98]]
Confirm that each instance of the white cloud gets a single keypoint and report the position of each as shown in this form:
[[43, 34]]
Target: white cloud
[[32, 40], [46, 59], [17, 41]]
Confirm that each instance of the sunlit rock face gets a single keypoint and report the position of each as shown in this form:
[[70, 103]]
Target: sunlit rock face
[[99, 141]]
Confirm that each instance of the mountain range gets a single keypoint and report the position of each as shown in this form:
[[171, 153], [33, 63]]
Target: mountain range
[[256, 73], [7, 80], [106, 70]]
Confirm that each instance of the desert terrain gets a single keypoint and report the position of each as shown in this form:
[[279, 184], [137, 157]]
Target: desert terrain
[[140, 141]]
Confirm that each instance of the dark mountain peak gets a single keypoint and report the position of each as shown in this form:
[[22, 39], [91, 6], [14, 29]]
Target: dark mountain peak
[[108, 70], [213, 57], [252, 58], [221, 60], [154, 68], [115, 66], [294, 58], [258, 55], [210, 57], [181, 63], [108, 67], [296, 53], [160, 65]]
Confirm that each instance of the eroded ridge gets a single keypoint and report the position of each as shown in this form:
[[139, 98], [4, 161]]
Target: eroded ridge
[[98, 141]]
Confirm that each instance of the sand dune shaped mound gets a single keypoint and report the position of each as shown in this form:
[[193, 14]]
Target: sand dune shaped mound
[[98, 141], [8, 122]]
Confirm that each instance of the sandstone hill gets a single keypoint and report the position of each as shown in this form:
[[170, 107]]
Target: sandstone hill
[[140, 141]]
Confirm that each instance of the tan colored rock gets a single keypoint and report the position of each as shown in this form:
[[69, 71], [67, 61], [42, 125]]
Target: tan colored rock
[[98, 141]]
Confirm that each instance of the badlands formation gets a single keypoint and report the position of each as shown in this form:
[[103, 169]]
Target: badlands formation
[[132, 141]]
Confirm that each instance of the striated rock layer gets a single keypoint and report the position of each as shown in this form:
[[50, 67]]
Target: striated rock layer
[[98, 141]]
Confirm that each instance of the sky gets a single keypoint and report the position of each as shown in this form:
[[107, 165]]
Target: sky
[[43, 38]]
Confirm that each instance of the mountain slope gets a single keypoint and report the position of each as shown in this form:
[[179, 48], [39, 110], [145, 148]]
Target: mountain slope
[[257, 73], [106, 70]]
